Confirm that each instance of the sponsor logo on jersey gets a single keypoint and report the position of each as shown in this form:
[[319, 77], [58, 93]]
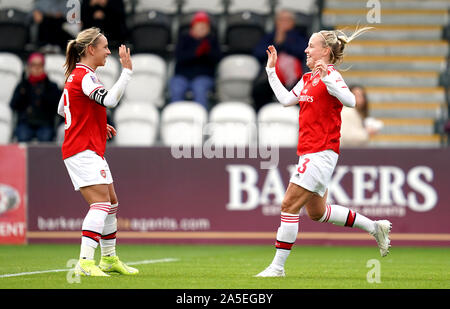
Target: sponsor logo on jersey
[[306, 98], [95, 79]]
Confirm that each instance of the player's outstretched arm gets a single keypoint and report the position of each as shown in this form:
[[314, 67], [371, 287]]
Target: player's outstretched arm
[[285, 97]]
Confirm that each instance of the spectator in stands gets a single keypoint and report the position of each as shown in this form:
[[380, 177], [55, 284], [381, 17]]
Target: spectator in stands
[[197, 55], [35, 100], [291, 45], [357, 127], [50, 16], [109, 16]]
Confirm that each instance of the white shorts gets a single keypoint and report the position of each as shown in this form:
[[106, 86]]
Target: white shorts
[[87, 168], [314, 170]]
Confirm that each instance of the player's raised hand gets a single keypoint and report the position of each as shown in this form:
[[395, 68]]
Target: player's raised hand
[[125, 57], [321, 67], [271, 56]]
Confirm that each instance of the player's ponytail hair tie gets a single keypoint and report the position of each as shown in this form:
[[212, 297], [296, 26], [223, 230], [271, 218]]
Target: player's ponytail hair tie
[[77, 48], [336, 40]]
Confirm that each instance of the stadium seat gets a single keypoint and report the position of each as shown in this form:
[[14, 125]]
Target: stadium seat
[[109, 73], [150, 31], [214, 7], [136, 124], [307, 7], [243, 32], [235, 75], [5, 123], [182, 123], [149, 79], [245, 25], [278, 125], [261, 7], [54, 67], [21, 5], [11, 68], [167, 6], [14, 25], [232, 124]]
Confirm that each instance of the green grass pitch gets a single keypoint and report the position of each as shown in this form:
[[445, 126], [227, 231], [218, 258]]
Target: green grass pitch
[[232, 267]]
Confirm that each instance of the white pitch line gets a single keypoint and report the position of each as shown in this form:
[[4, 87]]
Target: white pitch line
[[152, 261], [67, 269], [34, 272]]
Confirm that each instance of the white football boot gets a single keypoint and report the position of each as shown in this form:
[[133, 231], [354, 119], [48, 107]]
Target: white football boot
[[381, 234], [271, 272]]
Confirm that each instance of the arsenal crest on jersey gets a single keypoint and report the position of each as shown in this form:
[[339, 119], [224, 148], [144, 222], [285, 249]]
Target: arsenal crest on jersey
[[103, 173], [315, 81]]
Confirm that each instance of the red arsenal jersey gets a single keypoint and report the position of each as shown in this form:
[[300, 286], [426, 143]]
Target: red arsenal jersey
[[320, 114], [85, 120]]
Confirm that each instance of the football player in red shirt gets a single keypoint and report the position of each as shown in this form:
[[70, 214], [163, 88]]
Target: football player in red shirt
[[83, 105], [321, 95]]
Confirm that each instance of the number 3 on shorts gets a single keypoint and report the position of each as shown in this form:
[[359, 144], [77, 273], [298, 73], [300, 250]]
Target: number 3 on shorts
[[302, 169], [67, 114]]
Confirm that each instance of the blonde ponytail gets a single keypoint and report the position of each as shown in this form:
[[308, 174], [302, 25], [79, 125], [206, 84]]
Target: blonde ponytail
[[337, 40]]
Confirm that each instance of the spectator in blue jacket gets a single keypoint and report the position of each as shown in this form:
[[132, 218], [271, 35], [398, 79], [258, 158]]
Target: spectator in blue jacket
[[290, 45], [197, 55]]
